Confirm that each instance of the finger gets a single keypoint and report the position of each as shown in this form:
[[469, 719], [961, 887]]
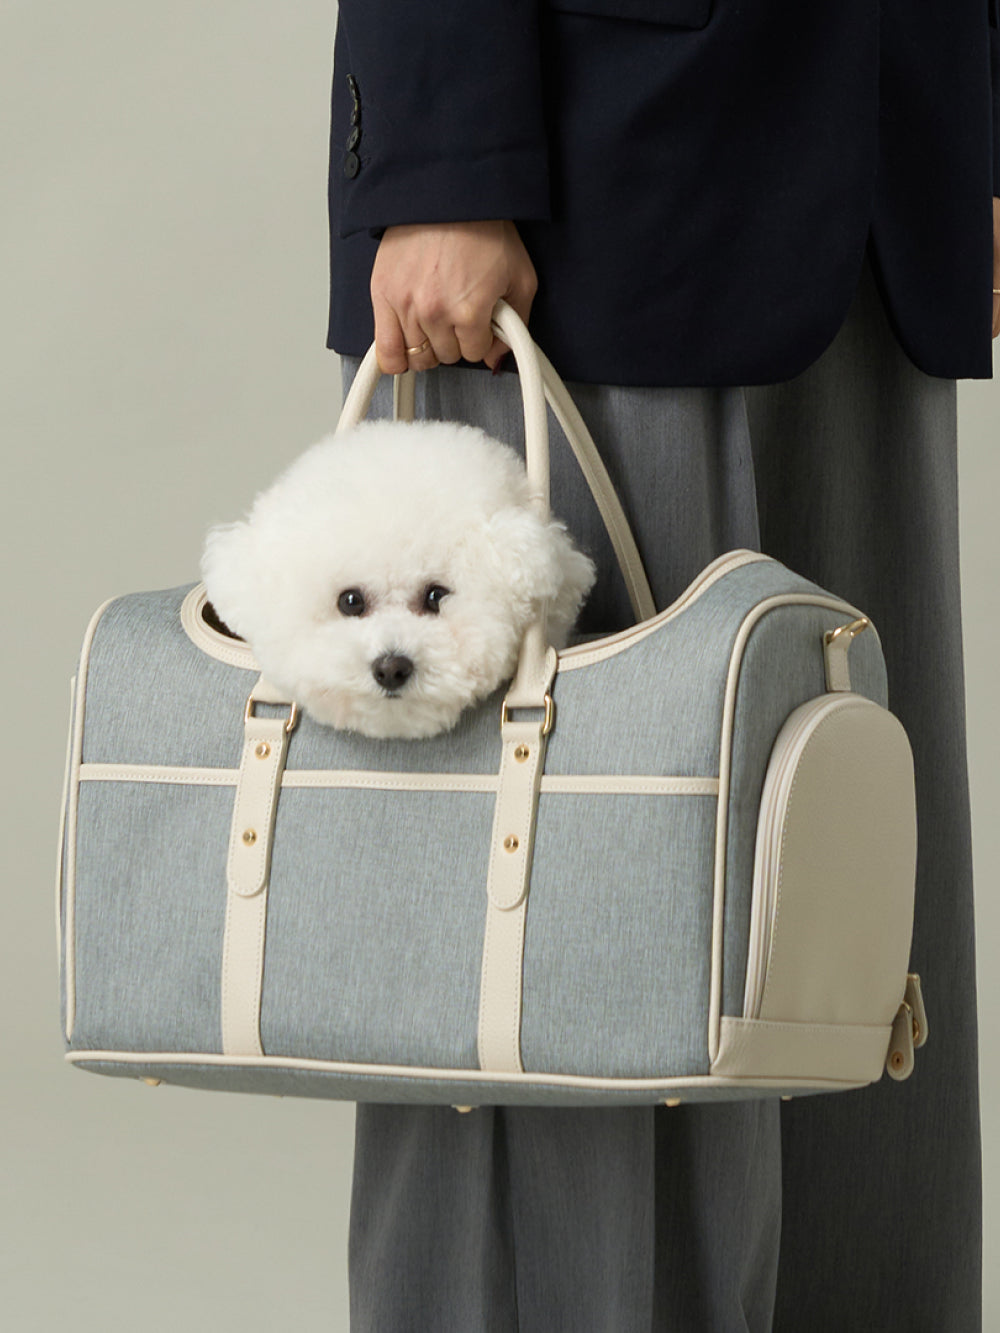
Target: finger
[[519, 296], [418, 338], [473, 335], [390, 341], [442, 334]]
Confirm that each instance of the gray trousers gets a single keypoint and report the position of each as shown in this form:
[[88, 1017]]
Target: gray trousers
[[850, 1211]]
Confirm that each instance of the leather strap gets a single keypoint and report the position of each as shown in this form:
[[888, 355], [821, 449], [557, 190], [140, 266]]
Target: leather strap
[[265, 748], [522, 762], [836, 646], [539, 381]]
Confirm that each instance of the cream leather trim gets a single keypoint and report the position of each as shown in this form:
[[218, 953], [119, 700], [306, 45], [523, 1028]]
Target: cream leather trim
[[60, 860], [227, 650], [190, 777], [591, 464], [582, 783], [585, 654], [522, 762], [413, 1073], [209, 640], [71, 814], [725, 764], [265, 747], [751, 1048]]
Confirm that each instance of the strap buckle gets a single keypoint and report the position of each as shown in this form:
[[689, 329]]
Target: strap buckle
[[550, 713], [290, 724]]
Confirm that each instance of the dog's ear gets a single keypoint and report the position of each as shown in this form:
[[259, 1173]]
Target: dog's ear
[[540, 562], [228, 567]]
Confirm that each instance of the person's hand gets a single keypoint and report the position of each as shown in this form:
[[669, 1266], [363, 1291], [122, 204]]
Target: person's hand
[[996, 265], [440, 281]]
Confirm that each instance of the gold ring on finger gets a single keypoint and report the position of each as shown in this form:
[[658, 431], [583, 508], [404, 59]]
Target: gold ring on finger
[[415, 351]]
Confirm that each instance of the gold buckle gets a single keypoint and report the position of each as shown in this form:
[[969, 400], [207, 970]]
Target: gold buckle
[[855, 628], [550, 712], [293, 715]]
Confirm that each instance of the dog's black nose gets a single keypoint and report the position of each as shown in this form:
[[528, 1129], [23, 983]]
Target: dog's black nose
[[392, 670]]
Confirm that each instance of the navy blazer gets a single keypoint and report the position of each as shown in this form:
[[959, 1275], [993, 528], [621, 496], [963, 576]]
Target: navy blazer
[[694, 180]]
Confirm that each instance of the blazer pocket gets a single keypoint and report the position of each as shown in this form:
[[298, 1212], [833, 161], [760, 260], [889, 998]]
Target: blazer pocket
[[678, 13]]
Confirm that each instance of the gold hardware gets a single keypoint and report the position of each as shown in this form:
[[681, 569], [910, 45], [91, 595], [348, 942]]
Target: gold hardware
[[854, 629], [915, 1000], [290, 725], [521, 753], [464, 1109], [550, 712], [672, 1101], [786, 1098], [153, 1082], [510, 843], [262, 750], [249, 836]]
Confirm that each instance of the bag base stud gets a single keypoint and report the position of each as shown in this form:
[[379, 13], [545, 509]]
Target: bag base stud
[[463, 1109], [671, 1101], [153, 1082]]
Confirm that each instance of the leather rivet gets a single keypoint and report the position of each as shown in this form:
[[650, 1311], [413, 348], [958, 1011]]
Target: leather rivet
[[262, 750], [153, 1082], [249, 836], [672, 1101], [510, 843], [521, 753], [897, 1060]]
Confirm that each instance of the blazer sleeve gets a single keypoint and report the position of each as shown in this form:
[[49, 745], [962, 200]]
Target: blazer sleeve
[[438, 113]]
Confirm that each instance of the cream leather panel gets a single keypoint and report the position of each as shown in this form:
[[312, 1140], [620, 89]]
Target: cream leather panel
[[751, 1048], [840, 941]]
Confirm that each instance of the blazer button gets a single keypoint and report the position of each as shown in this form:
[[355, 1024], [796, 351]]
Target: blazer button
[[353, 139], [352, 165]]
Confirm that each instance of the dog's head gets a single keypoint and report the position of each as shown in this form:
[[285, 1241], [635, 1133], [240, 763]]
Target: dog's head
[[387, 578]]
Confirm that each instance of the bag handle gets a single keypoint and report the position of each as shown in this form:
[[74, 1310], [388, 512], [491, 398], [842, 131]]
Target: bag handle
[[539, 382]]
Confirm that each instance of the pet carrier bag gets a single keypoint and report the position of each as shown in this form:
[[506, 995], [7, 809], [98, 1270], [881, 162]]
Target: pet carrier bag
[[673, 863]]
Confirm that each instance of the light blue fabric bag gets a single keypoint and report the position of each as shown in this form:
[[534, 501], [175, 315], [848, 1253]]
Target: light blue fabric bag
[[674, 863]]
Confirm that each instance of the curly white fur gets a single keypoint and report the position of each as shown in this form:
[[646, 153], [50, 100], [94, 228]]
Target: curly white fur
[[390, 509]]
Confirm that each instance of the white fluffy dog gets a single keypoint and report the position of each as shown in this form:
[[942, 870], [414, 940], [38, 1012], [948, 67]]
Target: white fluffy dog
[[386, 579]]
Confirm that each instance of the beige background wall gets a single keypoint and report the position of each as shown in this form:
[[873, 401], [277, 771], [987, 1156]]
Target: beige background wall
[[163, 278]]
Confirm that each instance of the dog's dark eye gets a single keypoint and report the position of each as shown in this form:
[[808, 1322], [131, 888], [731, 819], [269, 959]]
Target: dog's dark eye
[[434, 596], [351, 602]]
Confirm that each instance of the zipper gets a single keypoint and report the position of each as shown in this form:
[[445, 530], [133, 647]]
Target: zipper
[[789, 745]]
